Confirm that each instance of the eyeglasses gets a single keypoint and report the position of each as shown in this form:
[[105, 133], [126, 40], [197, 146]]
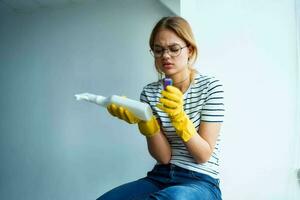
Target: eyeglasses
[[173, 50]]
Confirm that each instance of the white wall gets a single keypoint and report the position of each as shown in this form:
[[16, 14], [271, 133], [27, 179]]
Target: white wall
[[52, 147], [251, 46]]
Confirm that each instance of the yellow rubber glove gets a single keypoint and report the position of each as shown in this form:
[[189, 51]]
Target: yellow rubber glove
[[171, 102], [147, 128]]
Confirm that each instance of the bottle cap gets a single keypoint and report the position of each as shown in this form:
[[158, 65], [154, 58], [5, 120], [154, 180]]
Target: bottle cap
[[167, 81]]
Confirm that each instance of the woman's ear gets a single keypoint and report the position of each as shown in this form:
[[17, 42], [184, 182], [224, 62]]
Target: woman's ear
[[191, 50]]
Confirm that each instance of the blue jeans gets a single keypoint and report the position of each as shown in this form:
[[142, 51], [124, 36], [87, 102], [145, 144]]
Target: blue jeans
[[168, 182]]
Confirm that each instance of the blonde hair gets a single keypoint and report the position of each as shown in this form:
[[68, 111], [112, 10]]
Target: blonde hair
[[184, 31]]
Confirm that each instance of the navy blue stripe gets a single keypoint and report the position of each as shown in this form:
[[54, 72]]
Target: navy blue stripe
[[195, 111], [214, 98], [213, 163], [220, 91], [209, 115], [150, 92], [188, 103], [213, 88], [192, 107], [213, 82], [198, 87], [214, 104], [198, 99], [212, 121], [206, 109]]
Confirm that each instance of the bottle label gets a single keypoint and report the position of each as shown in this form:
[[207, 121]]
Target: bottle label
[[167, 81]]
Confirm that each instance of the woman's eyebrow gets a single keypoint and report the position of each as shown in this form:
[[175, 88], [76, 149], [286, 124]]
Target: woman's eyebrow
[[172, 44]]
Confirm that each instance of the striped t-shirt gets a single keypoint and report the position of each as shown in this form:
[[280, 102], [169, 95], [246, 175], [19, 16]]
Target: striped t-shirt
[[203, 101]]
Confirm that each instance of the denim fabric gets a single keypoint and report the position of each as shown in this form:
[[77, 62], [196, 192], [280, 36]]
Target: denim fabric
[[168, 182]]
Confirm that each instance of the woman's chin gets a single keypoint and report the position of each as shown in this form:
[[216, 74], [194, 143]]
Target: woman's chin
[[169, 72]]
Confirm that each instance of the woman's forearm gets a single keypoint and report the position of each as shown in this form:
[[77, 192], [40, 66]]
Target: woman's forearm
[[159, 148], [202, 144], [199, 149]]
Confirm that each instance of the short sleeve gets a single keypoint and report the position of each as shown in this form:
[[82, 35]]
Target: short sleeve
[[213, 108], [145, 99]]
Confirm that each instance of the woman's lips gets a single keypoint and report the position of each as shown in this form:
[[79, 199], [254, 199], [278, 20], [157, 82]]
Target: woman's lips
[[168, 65]]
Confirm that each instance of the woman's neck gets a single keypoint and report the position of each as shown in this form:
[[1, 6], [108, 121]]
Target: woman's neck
[[182, 80]]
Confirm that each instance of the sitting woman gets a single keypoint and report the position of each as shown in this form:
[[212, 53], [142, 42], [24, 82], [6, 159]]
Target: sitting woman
[[183, 135]]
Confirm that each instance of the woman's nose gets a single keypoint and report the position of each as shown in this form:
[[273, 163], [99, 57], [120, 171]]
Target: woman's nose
[[165, 53]]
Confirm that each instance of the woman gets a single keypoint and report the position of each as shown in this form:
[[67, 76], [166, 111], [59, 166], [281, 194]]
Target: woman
[[183, 135]]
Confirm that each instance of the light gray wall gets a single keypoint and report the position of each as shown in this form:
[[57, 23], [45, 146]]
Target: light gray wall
[[251, 47], [51, 146]]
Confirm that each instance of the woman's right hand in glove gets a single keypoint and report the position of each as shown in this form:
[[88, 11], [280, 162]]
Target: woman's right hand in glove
[[147, 128]]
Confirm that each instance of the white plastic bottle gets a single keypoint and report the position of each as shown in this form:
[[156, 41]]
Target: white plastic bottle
[[139, 109]]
